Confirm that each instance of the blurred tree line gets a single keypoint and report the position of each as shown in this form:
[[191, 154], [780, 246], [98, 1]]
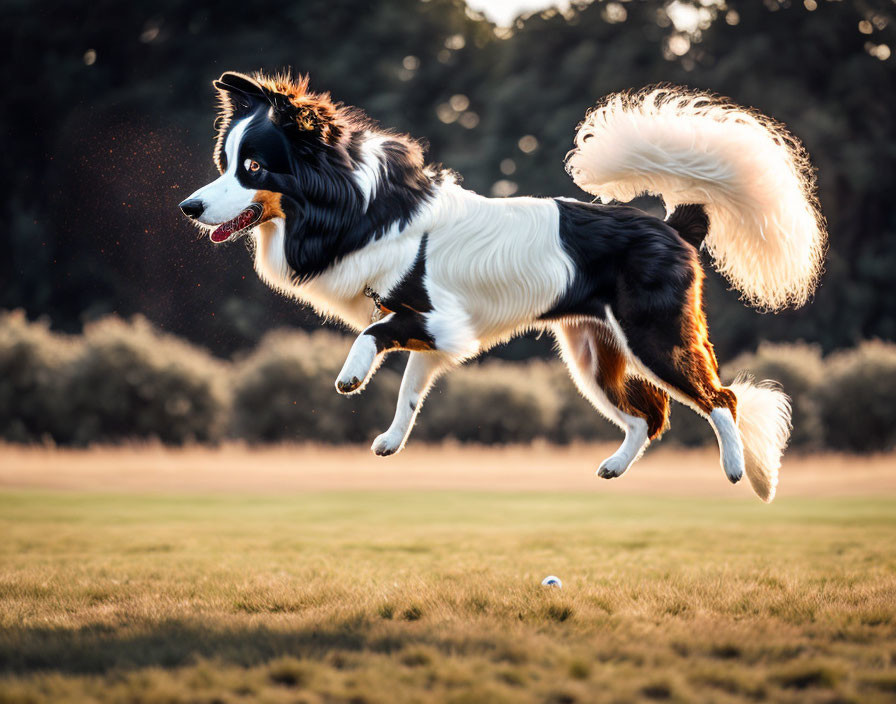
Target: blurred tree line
[[125, 381], [108, 111]]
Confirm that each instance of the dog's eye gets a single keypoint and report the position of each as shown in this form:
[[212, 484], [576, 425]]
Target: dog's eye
[[252, 166]]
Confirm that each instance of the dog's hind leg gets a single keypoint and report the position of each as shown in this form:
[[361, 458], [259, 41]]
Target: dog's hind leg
[[421, 371], [598, 368], [405, 331], [673, 351]]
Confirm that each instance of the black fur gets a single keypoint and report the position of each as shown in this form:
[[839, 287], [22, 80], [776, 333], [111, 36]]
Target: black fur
[[331, 219], [647, 274], [402, 331], [410, 293], [692, 223], [265, 143], [633, 262], [409, 302]]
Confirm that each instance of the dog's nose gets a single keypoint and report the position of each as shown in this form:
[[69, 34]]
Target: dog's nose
[[192, 207]]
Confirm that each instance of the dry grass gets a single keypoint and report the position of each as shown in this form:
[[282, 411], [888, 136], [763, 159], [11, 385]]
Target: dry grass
[[423, 595]]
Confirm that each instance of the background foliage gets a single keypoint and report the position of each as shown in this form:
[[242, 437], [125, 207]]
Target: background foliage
[[128, 381], [108, 112]]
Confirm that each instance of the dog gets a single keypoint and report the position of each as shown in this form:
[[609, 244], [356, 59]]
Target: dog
[[349, 218]]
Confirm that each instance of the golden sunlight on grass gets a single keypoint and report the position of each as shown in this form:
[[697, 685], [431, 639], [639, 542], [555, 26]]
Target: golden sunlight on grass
[[413, 594], [664, 470]]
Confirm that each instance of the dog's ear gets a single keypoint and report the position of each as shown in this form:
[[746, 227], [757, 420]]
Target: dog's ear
[[247, 92], [292, 107], [231, 82], [241, 92]]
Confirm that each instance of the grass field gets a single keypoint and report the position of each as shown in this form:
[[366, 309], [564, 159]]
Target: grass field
[[411, 594]]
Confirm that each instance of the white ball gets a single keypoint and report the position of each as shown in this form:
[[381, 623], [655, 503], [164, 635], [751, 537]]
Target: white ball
[[552, 581]]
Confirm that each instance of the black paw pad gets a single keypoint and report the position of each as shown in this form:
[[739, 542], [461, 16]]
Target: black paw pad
[[345, 387]]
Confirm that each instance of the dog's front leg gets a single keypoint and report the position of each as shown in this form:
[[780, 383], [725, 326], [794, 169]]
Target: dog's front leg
[[405, 331], [419, 374]]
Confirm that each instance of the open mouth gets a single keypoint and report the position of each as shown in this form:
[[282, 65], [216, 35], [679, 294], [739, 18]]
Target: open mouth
[[239, 225]]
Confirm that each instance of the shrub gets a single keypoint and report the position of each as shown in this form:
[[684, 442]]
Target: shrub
[[32, 360], [285, 390], [124, 380], [492, 402], [856, 399], [131, 381], [799, 369]]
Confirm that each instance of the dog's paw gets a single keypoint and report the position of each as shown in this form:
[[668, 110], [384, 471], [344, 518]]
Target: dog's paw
[[612, 467], [735, 475], [348, 386], [733, 468], [358, 366], [386, 444]]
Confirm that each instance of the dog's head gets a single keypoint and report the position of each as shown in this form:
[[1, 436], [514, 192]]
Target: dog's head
[[332, 177], [264, 126]]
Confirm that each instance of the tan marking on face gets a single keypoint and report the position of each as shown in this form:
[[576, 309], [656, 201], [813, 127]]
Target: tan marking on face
[[271, 204]]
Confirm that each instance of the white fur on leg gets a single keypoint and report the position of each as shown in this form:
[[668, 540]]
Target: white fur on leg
[[419, 374], [729, 443], [359, 365], [577, 347], [636, 441], [763, 418]]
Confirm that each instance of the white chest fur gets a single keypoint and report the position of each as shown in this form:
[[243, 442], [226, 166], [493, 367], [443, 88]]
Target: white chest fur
[[499, 262], [338, 291]]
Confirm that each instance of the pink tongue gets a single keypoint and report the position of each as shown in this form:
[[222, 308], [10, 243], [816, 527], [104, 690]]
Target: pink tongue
[[220, 235], [223, 232]]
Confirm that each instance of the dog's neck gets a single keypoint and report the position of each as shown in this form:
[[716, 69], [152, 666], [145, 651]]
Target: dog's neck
[[339, 290], [341, 201]]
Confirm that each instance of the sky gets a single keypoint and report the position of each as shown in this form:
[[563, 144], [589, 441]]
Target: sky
[[686, 16], [503, 12]]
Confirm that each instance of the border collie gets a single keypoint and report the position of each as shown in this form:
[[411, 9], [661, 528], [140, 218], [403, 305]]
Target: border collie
[[347, 217]]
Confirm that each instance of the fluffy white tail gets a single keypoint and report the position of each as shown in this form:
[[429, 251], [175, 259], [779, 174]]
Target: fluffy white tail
[[766, 235], [763, 420]]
